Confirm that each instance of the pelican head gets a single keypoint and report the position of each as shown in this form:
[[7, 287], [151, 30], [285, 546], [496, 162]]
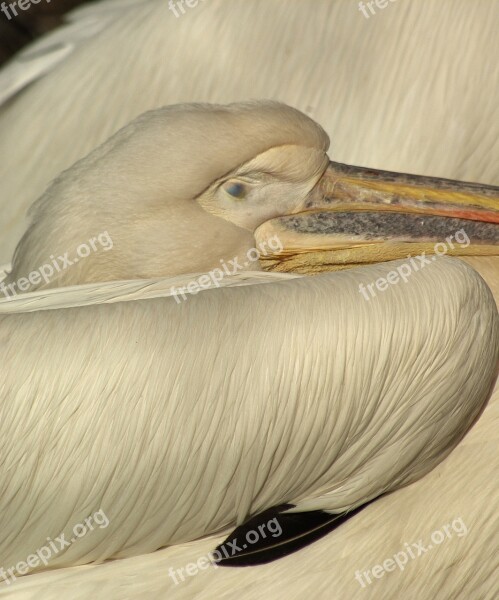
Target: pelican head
[[183, 188]]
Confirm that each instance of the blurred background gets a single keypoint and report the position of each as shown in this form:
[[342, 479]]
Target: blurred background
[[31, 23]]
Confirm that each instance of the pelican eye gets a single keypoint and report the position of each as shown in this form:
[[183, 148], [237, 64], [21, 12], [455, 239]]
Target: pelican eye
[[235, 189]]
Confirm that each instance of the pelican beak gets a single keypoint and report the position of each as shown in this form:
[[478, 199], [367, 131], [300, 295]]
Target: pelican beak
[[357, 215]]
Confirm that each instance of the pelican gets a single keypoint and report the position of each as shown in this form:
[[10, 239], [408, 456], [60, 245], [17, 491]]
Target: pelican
[[398, 118], [362, 412]]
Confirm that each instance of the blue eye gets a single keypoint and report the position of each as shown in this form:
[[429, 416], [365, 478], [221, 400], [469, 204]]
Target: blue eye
[[238, 190]]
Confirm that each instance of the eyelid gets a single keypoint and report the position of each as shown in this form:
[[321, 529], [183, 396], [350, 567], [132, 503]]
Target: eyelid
[[245, 179]]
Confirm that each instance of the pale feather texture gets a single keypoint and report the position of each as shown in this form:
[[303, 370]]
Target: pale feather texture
[[413, 88], [410, 89], [326, 414], [462, 567]]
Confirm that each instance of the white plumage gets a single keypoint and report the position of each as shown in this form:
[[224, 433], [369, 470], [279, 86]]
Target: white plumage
[[358, 91], [410, 90], [178, 428]]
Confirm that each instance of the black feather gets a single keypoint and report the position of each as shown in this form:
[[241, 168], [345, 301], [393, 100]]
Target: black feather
[[258, 541]]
